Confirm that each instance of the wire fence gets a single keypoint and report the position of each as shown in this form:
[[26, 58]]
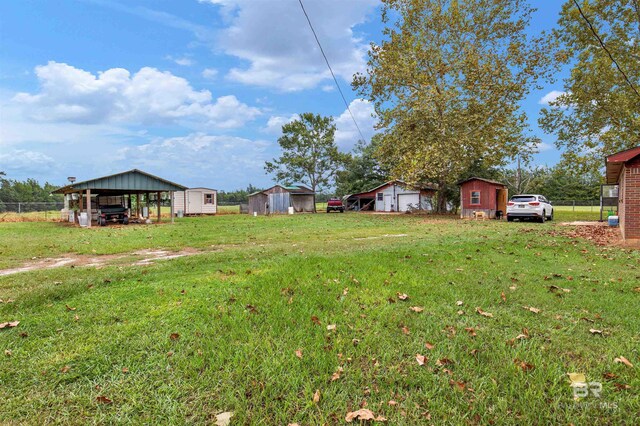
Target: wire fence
[[30, 211], [577, 205]]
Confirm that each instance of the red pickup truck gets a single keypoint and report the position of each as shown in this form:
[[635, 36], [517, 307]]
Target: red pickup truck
[[335, 205]]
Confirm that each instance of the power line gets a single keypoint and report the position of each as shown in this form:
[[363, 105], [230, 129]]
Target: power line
[[331, 70], [593, 30]]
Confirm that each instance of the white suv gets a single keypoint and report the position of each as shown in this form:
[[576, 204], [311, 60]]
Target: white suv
[[530, 206]]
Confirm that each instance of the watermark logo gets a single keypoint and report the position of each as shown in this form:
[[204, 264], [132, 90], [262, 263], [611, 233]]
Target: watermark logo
[[585, 389]]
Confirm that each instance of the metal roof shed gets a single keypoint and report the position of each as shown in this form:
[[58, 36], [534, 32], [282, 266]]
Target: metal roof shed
[[120, 184]]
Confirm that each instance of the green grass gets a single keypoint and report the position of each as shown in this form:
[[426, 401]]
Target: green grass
[[289, 268]]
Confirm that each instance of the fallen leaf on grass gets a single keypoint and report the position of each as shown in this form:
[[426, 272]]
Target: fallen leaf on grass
[[525, 366], [76, 317], [405, 329], [429, 346], [10, 324], [417, 308], [457, 385], [299, 353], [483, 313], [532, 309], [125, 370], [174, 336], [402, 296], [331, 327], [556, 289], [459, 303], [620, 386], [363, 414], [103, 400], [421, 359], [335, 376], [69, 308], [65, 369], [223, 419], [577, 378], [7, 352], [392, 403], [503, 297], [252, 309], [315, 320], [609, 376], [594, 331], [316, 396], [471, 331], [624, 361], [444, 361]]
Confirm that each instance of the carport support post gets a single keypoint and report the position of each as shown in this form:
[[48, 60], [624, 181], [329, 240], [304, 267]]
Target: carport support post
[[171, 195], [80, 205], [138, 204], [88, 208], [158, 207]]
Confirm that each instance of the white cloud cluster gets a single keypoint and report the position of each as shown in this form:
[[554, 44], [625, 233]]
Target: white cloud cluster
[[149, 96], [202, 159], [550, 97], [22, 160], [347, 134], [275, 123], [276, 41]]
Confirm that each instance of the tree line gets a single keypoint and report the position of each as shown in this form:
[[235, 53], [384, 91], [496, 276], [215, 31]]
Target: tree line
[[14, 191], [447, 82]]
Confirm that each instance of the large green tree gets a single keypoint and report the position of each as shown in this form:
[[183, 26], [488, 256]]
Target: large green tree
[[309, 153], [599, 112], [446, 83], [364, 170]]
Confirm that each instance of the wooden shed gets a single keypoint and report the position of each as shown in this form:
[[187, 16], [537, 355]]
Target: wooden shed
[[279, 198], [392, 196], [483, 195], [623, 169], [196, 201]]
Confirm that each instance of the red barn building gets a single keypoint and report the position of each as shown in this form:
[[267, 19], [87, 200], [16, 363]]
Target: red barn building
[[623, 169], [482, 195]]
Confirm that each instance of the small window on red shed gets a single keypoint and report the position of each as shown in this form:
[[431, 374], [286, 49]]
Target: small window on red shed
[[475, 197]]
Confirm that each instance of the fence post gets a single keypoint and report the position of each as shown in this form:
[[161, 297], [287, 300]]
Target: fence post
[[19, 208], [574, 205]]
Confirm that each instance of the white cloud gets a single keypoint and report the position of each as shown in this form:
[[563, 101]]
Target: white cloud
[[276, 41], [185, 62], [544, 146], [275, 123], [149, 96], [328, 88], [550, 97], [347, 134], [21, 160], [202, 159], [210, 73]]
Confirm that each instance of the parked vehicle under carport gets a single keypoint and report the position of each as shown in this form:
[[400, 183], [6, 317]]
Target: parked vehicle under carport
[[113, 213]]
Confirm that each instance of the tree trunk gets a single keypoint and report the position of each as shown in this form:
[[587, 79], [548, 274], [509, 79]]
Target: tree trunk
[[441, 206]]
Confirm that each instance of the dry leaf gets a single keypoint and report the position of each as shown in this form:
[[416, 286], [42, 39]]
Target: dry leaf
[[471, 331], [525, 366], [335, 376], [69, 308], [483, 313], [457, 385], [76, 317], [429, 346], [577, 378], [331, 327], [103, 400], [392, 402], [315, 320], [624, 361], [594, 331], [444, 361], [8, 352], [174, 336], [503, 297], [125, 370], [316, 396], [223, 419], [10, 324], [252, 309], [65, 369], [405, 329], [459, 303], [299, 353], [402, 296], [620, 386], [609, 376], [361, 414], [532, 309], [421, 359], [417, 308]]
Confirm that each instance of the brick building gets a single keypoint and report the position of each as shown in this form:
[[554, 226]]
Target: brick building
[[623, 169]]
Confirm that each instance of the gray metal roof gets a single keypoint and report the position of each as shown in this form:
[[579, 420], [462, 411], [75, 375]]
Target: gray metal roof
[[130, 181]]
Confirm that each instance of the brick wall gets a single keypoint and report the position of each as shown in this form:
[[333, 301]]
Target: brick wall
[[629, 210]]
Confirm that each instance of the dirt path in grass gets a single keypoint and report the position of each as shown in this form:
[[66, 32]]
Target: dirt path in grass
[[136, 258]]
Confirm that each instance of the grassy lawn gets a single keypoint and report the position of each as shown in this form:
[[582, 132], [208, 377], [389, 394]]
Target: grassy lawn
[[178, 341]]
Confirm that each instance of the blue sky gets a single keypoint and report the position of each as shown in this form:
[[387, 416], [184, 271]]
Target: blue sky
[[194, 91]]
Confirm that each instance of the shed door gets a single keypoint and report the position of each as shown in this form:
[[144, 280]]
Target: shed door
[[501, 200], [195, 202], [388, 202], [408, 200]]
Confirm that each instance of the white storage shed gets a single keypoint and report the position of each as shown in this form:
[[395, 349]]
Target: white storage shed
[[196, 201]]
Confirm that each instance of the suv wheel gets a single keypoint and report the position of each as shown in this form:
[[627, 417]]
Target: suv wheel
[[550, 217], [544, 217]]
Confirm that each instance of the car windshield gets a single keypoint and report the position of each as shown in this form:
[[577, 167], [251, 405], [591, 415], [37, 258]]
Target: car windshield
[[523, 198]]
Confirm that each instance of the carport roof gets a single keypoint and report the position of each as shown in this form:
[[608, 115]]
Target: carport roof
[[132, 181]]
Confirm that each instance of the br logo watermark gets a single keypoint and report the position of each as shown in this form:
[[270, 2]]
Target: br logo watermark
[[586, 389]]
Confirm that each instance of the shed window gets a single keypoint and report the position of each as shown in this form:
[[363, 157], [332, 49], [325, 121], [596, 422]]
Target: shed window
[[380, 196], [475, 197], [208, 198]]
